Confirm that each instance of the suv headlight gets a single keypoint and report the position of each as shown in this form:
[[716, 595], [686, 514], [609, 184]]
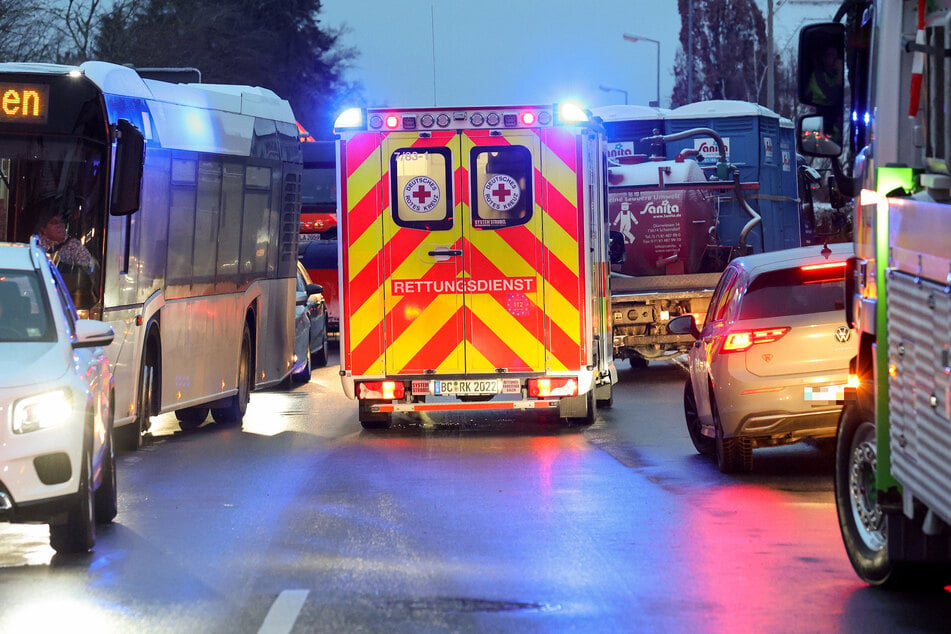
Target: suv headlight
[[42, 411]]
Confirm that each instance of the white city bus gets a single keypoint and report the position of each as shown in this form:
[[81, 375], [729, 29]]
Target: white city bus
[[187, 197]]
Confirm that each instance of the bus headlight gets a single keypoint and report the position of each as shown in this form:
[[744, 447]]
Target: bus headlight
[[42, 411]]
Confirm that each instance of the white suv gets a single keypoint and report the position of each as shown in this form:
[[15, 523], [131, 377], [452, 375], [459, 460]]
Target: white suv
[[771, 362], [57, 462]]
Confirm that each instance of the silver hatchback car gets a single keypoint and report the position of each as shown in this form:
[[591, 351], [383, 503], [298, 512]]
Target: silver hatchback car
[[771, 362]]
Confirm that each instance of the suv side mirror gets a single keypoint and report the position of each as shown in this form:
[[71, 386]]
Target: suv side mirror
[[130, 161]]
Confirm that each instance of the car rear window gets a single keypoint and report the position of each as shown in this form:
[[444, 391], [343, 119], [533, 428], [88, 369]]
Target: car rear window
[[792, 292]]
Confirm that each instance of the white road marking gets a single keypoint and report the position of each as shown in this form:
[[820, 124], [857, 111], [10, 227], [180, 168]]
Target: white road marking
[[283, 613]]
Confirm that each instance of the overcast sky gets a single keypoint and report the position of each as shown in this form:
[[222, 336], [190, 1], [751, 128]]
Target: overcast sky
[[504, 52]]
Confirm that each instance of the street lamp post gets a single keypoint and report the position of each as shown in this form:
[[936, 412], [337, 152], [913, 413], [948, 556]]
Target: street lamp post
[[613, 89], [639, 38]]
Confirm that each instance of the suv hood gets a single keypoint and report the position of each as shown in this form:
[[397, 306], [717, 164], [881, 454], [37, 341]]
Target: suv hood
[[31, 363]]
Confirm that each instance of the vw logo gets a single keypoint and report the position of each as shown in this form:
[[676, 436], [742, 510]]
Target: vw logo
[[843, 334]]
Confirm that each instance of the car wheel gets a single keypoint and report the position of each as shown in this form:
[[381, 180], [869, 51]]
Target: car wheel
[[734, 455], [191, 418], [704, 445], [107, 505], [235, 410], [303, 376], [320, 357], [78, 533]]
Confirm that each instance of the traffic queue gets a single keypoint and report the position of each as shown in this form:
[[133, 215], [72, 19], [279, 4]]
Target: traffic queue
[[467, 266]]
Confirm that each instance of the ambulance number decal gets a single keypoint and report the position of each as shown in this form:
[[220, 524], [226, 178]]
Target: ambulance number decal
[[503, 177], [421, 188]]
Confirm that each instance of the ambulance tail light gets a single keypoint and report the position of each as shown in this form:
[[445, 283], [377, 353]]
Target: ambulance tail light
[[350, 119], [570, 113], [380, 390], [543, 388]]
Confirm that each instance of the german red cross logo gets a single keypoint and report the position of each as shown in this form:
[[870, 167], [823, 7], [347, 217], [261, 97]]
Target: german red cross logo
[[501, 192], [421, 194]]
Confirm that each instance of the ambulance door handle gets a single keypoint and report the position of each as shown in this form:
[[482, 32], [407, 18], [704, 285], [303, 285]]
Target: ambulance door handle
[[445, 252]]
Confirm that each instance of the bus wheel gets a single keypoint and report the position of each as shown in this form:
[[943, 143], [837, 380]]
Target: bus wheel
[[234, 411], [191, 418], [863, 524], [135, 434]]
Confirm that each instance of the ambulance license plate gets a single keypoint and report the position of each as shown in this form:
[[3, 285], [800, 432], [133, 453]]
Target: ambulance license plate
[[467, 387]]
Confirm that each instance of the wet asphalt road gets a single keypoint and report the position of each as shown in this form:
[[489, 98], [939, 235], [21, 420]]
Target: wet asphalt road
[[300, 521]]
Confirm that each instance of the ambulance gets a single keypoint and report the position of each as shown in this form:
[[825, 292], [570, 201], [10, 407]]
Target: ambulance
[[474, 265]]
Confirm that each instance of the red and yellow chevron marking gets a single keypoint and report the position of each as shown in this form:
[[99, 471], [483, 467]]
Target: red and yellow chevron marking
[[515, 299]]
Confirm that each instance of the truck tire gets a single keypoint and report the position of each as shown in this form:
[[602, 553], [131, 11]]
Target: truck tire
[[704, 445], [863, 524]]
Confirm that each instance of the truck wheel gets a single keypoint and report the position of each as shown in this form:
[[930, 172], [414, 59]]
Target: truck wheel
[[234, 412], [373, 420], [734, 455], [704, 445], [78, 533], [863, 524]]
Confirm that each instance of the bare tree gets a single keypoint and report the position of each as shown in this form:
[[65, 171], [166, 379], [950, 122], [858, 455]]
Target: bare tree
[[727, 51], [25, 35]]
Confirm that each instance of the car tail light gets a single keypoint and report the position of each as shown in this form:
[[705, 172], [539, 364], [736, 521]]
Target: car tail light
[[552, 387], [825, 272], [387, 390], [743, 340]]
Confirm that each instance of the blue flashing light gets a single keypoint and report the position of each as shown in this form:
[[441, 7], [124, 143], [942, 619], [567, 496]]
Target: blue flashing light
[[571, 113], [350, 119]]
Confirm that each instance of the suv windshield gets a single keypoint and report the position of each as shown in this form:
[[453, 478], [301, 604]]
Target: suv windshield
[[24, 312]]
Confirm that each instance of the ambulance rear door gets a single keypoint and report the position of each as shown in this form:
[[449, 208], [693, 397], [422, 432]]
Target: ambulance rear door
[[463, 255]]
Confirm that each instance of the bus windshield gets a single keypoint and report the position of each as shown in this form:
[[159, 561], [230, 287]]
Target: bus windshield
[[54, 187]]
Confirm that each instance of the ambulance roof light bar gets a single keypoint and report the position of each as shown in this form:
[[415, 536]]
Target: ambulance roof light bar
[[350, 119], [571, 113]]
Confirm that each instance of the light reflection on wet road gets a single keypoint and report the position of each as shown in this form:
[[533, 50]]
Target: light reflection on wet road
[[453, 523]]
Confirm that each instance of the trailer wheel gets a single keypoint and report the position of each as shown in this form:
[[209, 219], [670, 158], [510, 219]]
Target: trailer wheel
[[704, 445], [863, 525]]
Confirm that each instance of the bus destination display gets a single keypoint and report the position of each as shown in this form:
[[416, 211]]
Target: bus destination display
[[24, 103]]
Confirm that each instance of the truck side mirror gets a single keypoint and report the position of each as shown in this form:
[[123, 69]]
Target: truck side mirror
[[817, 136], [130, 161], [821, 79]]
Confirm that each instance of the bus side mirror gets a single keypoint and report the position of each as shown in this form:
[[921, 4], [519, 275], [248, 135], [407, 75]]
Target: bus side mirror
[[616, 251], [130, 160]]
